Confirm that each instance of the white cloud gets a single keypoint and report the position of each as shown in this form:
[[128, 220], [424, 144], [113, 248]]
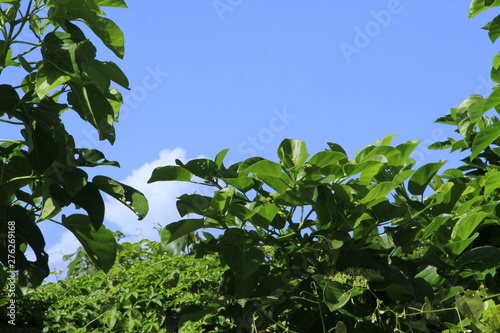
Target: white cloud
[[161, 196], [67, 245]]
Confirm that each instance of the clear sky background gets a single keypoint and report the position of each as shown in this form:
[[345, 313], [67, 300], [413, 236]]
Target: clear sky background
[[244, 75]]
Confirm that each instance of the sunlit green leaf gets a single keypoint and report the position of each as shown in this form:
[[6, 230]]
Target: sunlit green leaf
[[470, 304], [379, 191], [292, 153], [484, 138], [175, 230], [110, 34], [477, 6], [466, 225], [421, 178], [327, 157], [220, 157], [263, 167], [170, 172], [492, 182], [201, 167], [112, 3]]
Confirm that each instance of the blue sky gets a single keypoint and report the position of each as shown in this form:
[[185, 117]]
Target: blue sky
[[244, 75]]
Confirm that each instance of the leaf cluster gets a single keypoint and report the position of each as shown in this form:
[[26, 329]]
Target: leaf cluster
[[319, 243], [42, 171], [163, 293]]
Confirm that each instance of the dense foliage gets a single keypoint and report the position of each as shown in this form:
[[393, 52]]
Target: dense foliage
[[151, 301], [41, 170], [363, 244], [311, 243]]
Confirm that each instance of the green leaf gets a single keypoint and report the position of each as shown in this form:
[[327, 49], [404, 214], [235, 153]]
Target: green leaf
[[202, 167], [406, 149], [65, 51], [457, 247], [73, 179], [112, 3], [402, 176], [387, 140], [110, 34], [112, 72], [470, 304], [193, 203], [93, 107], [495, 74], [92, 158], [478, 6], [170, 172], [340, 327], [441, 145], [484, 138], [327, 157], [19, 222], [494, 29], [221, 198], [179, 229], [480, 258], [436, 223], [243, 260], [452, 292], [99, 244], [90, 199], [263, 167], [496, 60], [336, 147], [220, 157], [430, 274], [492, 101], [492, 182], [472, 106], [292, 153], [8, 99], [51, 207], [379, 191], [279, 184], [466, 225], [243, 184], [334, 294], [422, 176], [48, 78], [264, 215], [127, 195], [192, 313], [44, 148]]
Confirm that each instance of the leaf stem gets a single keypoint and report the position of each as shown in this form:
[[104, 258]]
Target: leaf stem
[[12, 141], [11, 122]]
